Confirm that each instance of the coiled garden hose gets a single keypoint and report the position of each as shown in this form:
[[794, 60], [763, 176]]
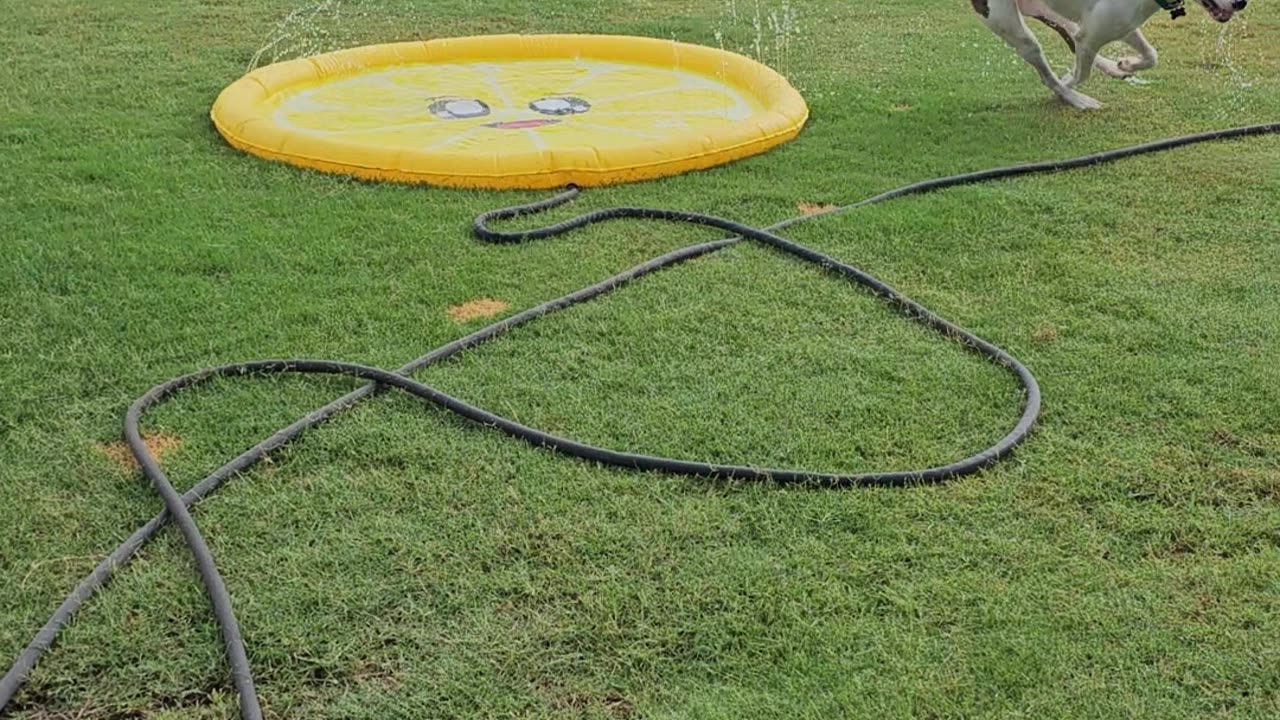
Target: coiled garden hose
[[177, 505]]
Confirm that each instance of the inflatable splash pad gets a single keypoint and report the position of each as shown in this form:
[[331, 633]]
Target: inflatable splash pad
[[512, 111]]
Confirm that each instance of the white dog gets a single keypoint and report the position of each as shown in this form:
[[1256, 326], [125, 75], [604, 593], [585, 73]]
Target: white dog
[[1087, 26]]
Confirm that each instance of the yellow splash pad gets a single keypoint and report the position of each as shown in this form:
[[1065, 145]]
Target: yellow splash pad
[[512, 111]]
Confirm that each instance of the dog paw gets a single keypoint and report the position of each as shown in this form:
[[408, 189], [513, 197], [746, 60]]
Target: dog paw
[[1079, 101], [1131, 65], [1110, 68], [1068, 80]]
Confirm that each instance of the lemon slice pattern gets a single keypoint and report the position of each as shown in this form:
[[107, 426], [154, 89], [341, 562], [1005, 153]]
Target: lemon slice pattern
[[512, 111]]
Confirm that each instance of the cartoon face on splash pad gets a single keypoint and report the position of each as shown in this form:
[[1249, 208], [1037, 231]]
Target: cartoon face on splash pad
[[514, 107], [462, 108], [513, 111]]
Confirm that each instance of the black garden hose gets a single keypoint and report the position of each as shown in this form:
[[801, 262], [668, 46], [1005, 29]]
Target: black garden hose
[[177, 506]]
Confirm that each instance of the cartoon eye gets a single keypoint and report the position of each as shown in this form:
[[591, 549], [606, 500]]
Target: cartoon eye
[[452, 108], [560, 105]]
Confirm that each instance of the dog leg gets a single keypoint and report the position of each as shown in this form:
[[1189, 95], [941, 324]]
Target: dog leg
[[1086, 54], [1147, 53], [1103, 24], [1068, 30], [1004, 19]]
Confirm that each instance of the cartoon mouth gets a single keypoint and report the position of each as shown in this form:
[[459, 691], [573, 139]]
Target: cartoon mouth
[[520, 124], [1220, 14]]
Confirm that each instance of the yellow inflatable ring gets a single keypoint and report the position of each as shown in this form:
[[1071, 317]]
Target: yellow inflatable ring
[[512, 111]]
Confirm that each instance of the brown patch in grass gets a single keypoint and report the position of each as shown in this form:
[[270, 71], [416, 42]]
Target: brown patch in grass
[[808, 208], [478, 308], [1258, 483], [1046, 334], [158, 444], [618, 706], [1179, 545], [370, 673], [565, 699], [899, 107], [1226, 438]]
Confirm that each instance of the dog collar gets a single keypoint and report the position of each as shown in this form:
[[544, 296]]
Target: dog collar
[[1175, 8]]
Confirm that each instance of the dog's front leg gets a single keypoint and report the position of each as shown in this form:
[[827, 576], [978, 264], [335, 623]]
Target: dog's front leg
[[1147, 53], [1005, 20], [1086, 54], [1068, 30], [1106, 22]]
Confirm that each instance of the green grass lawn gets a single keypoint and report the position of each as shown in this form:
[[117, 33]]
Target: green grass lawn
[[399, 562]]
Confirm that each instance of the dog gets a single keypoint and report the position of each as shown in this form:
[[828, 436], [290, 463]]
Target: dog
[[1087, 26]]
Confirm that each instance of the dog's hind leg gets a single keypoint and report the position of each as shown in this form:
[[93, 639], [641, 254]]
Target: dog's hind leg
[[1068, 30], [1006, 21]]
